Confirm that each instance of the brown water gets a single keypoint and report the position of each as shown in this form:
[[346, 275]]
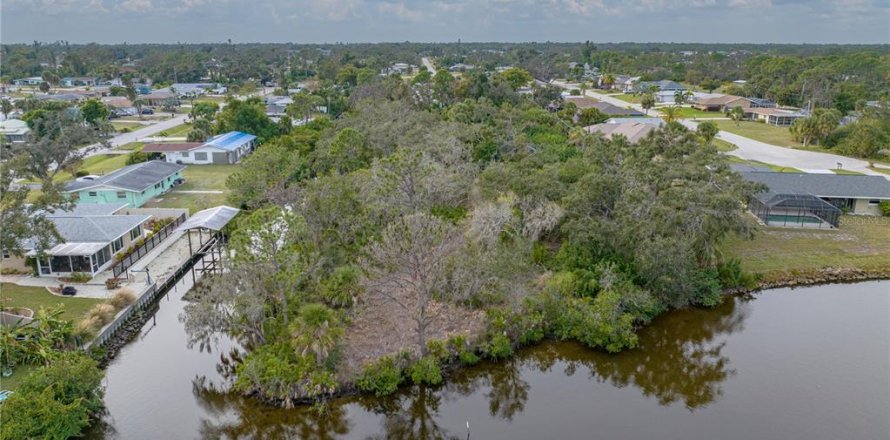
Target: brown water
[[810, 363]]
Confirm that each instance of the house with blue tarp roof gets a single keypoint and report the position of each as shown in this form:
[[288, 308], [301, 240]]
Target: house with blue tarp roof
[[226, 148]]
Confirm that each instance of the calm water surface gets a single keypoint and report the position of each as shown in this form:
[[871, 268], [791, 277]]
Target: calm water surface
[[809, 363]]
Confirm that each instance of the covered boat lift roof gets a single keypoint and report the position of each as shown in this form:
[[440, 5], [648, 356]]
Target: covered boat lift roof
[[212, 218]]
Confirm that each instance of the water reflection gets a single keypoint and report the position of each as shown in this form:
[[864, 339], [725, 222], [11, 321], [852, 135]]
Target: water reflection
[[680, 360]]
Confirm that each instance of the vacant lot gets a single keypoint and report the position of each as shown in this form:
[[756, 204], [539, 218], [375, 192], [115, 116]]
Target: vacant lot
[[178, 131], [33, 298], [192, 202], [206, 177], [861, 242], [769, 134]]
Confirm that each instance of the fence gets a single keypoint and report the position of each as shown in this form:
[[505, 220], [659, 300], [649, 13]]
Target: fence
[[150, 243]]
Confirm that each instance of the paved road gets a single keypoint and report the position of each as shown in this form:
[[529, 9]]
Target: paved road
[[429, 65], [135, 135], [809, 161], [750, 149]]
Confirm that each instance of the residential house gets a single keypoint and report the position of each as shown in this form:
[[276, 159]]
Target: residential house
[[226, 148], [774, 116], [398, 69], [655, 122], [815, 200], [195, 89], [14, 130], [461, 67], [30, 81], [583, 102], [91, 234], [632, 131], [721, 103], [664, 85], [62, 97], [133, 184], [159, 97], [79, 81]]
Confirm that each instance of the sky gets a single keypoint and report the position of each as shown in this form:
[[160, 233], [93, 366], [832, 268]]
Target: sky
[[330, 21]]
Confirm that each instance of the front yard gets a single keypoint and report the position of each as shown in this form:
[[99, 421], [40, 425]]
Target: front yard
[[627, 97], [181, 130], [861, 242], [692, 113], [13, 295], [759, 131]]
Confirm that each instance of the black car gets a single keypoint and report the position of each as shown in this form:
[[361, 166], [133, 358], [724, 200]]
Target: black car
[[148, 111], [69, 291]]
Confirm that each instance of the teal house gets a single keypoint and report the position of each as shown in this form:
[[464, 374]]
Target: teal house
[[132, 184]]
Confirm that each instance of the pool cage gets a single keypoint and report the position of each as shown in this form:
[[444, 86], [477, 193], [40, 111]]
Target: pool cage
[[794, 210]]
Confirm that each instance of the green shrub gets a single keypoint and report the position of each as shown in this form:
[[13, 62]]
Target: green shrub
[[437, 349], [499, 347], [136, 157], [82, 173], [55, 402], [731, 275], [381, 377], [79, 277], [426, 371], [884, 206], [468, 358]]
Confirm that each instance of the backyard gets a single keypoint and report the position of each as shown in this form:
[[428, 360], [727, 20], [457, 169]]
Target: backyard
[[206, 177], [761, 132], [860, 242], [192, 201]]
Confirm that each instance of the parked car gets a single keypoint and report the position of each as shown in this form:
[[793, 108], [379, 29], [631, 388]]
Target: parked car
[[148, 111], [179, 181], [69, 291]]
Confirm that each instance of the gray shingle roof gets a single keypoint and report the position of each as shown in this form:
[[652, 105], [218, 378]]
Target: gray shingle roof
[[135, 177], [613, 110], [88, 209], [96, 229], [822, 185]]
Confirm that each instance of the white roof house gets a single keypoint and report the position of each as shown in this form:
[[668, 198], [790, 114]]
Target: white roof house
[[227, 148], [14, 130]]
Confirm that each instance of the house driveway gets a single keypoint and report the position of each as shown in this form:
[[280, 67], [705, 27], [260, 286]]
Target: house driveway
[[808, 161]]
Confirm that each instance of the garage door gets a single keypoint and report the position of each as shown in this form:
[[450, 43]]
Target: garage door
[[220, 158]]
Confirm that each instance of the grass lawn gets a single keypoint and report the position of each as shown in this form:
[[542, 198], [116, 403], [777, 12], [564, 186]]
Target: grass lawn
[[131, 126], [860, 242], [723, 146], [192, 202], [734, 159], [769, 134], [690, 113], [132, 146], [627, 97], [216, 99], [206, 177], [12, 383], [178, 131], [881, 170], [847, 172], [33, 298]]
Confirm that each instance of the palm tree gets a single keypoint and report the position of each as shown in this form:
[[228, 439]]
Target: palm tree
[[316, 331], [6, 108], [647, 102], [737, 115], [671, 113], [608, 80]]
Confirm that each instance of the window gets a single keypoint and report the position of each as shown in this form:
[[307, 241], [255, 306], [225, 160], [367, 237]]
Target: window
[[200, 155], [92, 193], [6, 254], [874, 202], [184, 154], [122, 194], [117, 245], [136, 232]]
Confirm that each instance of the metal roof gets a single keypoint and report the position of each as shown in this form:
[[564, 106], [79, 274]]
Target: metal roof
[[822, 185], [212, 218], [230, 141], [73, 249], [135, 177]]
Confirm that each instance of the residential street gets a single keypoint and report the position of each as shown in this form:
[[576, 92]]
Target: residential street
[[808, 161], [429, 65], [750, 149], [134, 136]]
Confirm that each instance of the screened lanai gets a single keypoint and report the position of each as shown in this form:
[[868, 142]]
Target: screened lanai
[[794, 210]]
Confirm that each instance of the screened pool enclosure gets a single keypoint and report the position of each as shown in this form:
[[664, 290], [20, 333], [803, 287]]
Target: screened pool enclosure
[[794, 210]]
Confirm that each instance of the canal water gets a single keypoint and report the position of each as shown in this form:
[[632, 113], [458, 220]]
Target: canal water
[[808, 363]]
